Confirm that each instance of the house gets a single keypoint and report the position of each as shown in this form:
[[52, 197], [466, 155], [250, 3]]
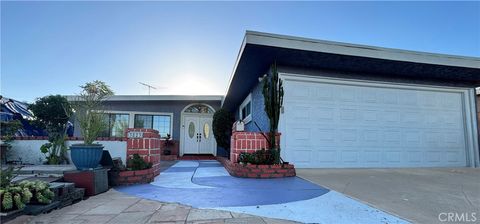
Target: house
[[188, 119], [345, 105], [351, 105]]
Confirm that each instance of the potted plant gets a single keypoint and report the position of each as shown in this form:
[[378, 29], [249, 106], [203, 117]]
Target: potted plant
[[168, 144], [8, 130], [91, 119], [52, 113]]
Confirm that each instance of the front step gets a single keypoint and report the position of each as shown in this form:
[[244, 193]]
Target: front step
[[197, 157]]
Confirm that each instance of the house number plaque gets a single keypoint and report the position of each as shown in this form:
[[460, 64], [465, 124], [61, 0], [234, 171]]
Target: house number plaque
[[135, 134]]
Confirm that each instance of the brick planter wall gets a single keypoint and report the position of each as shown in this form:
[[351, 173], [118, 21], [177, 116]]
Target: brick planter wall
[[148, 147], [248, 142], [116, 178], [257, 171]]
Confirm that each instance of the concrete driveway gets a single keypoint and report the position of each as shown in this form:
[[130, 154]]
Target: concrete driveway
[[417, 195]]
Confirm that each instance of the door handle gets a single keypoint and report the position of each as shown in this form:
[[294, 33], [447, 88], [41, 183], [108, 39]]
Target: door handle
[[200, 135]]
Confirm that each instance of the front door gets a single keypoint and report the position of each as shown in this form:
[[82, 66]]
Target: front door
[[198, 136]]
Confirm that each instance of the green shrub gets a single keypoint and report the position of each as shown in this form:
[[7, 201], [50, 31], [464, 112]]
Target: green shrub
[[6, 176], [137, 163], [260, 157], [8, 129], [53, 113], [222, 127]]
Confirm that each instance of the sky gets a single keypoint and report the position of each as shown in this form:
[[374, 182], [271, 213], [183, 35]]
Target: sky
[[190, 47]]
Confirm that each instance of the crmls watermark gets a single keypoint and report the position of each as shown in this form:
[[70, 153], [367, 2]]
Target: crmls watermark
[[457, 217]]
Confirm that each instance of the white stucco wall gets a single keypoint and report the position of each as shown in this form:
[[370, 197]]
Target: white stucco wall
[[28, 151]]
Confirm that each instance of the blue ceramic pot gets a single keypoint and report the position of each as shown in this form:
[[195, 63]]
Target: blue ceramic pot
[[86, 156]]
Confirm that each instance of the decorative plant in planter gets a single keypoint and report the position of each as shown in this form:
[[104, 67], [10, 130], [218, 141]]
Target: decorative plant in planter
[[168, 144], [53, 113], [273, 95], [222, 128], [138, 163], [8, 130], [260, 157], [91, 119]]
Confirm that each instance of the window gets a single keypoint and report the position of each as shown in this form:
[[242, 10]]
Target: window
[[117, 124], [161, 123], [245, 109], [199, 109]]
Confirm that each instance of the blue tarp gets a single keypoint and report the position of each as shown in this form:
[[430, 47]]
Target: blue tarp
[[15, 110]]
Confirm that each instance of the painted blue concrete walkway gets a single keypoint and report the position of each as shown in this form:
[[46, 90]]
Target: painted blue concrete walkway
[[206, 184]]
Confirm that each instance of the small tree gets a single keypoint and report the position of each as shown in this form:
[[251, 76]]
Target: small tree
[[89, 110], [53, 113], [222, 127], [273, 95]]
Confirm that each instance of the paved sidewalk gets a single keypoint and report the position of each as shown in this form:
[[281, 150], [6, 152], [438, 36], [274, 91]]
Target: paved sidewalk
[[115, 207]]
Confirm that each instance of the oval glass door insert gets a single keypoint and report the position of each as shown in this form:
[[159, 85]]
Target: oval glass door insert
[[206, 130], [191, 129]]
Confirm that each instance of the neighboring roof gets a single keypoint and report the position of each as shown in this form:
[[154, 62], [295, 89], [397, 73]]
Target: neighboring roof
[[259, 50], [11, 107], [159, 98]]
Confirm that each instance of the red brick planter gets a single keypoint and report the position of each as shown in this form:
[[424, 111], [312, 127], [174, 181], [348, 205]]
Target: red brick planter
[[116, 178], [257, 171]]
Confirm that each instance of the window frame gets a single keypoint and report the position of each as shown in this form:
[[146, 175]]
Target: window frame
[[110, 129], [153, 119], [246, 101], [131, 117]]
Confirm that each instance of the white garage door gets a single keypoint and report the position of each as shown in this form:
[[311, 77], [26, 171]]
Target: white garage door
[[350, 124]]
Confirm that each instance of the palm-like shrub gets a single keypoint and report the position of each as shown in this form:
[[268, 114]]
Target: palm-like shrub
[[89, 110]]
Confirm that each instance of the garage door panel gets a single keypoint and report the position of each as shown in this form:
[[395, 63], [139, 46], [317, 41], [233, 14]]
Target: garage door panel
[[454, 156], [349, 156], [393, 156], [299, 137], [327, 155], [324, 136], [369, 116], [414, 157], [337, 125], [324, 114], [324, 93], [371, 157], [348, 115]]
